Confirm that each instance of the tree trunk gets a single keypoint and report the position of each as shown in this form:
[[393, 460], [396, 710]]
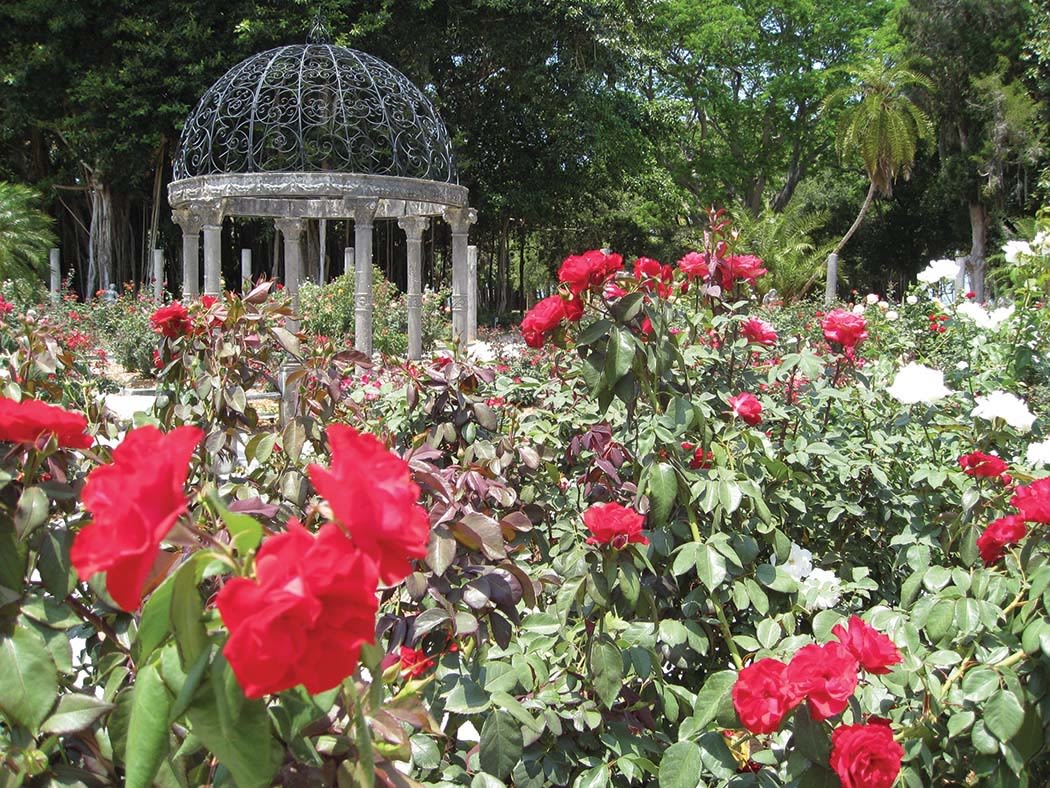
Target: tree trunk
[[503, 275], [845, 239], [976, 263], [860, 218], [521, 267], [158, 179]]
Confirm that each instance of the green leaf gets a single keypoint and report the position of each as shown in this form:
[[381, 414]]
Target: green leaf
[[32, 511], [186, 613], [1003, 715], [810, 737], [237, 730], [148, 729], [710, 567], [619, 356], [155, 623], [593, 333], [663, 488], [715, 700], [245, 532], [681, 766], [75, 713], [28, 678], [501, 744], [606, 670]]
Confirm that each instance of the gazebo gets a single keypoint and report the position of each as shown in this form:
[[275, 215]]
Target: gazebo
[[317, 131]]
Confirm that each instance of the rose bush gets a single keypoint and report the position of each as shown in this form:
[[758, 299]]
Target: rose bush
[[669, 545]]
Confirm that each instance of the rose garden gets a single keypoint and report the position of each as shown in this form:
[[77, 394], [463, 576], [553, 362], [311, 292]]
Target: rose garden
[[668, 526]]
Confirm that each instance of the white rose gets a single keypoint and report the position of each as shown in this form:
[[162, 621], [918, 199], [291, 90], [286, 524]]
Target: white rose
[[1005, 406], [915, 383]]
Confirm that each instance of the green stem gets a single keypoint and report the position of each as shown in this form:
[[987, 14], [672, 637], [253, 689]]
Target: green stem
[[723, 624]]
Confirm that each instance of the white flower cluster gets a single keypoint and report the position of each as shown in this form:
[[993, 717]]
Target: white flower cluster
[[1038, 454], [821, 589], [1040, 245], [915, 383], [938, 271], [1005, 406], [990, 321]]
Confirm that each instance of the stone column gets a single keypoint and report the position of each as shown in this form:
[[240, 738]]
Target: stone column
[[213, 256], [459, 220], [291, 231], [191, 224], [472, 293], [364, 215], [414, 226], [158, 274], [56, 275], [348, 259], [246, 269]]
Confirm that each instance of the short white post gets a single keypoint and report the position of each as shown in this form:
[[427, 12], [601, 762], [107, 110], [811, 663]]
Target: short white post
[[322, 261], [246, 268], [348, 260], [56, 276], [158, 274], [832, 281]]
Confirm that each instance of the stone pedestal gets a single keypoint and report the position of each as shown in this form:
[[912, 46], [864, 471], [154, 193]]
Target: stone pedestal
[[56, 275], [158, 274], [246, 270]]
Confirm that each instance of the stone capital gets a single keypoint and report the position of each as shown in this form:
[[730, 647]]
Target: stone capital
[[290, 229], [364, 211], [414, 226], [460, 219], [191, 222]]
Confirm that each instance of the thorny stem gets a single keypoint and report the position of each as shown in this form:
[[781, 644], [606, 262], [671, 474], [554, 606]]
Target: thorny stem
[[96, 621]]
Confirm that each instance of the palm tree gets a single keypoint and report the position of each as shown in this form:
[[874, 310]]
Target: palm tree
[[882, 124], [25, 233]]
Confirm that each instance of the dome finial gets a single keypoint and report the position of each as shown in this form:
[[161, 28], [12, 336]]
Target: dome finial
[[318, 31]]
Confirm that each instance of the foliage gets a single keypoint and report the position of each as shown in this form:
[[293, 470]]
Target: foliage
[[25, 233], [328, 310]]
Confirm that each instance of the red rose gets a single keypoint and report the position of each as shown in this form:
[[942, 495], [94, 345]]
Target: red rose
[[574, 309], [844, 328], [208, 301], [1033, 500], [372, 493], [587, 270], [414, 663], [759, 331], [135, 501], [978, 463], [747, 407], [613, 524], [825, 676], [762, 695], [305, 616], [872, 649], [172, 321], [1000, 533], [695, 265], [6, 307], [740, 268], [543, 318], [865, 756], [28, 420], [701, 459]]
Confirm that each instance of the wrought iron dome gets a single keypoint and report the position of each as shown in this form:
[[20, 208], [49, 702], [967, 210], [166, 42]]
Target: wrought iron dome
[[315, 107]]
